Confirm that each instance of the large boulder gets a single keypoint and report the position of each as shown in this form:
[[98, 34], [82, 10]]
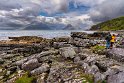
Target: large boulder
[[67, 52], [43, 68], [30, 65], [116, 78], [20, 62], [116, 53]]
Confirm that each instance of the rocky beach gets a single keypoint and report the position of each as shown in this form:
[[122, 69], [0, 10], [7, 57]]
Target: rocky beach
[[80, 58]]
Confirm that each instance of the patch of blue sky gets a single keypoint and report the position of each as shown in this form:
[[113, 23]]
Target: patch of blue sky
[[78, 8]]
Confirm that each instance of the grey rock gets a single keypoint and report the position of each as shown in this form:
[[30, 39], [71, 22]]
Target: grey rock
[[111, 71], [93, 69], [98, 77], [46, 58], [86, 67], [47, 53], [77, 59], [19, 63], [43, 68], [1, 61], [8, 73], [116, 53], [67, 52], [117, 78], [9, 56], [60, 44], [30, 65], [91, 60], [1, 77]]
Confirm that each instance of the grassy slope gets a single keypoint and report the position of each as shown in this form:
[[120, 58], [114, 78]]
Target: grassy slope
[[114, 24]]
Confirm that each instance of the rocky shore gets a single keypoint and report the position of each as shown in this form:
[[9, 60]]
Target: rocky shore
[[81, 58]]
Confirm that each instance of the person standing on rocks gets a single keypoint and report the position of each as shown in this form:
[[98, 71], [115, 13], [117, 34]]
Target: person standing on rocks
[[108, 40], [113, 39]]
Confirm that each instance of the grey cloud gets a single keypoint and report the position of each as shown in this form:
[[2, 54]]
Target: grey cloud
[[23, 12], [107, 10]]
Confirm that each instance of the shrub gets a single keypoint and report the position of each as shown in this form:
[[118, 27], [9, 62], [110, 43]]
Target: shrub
[[25, 79]]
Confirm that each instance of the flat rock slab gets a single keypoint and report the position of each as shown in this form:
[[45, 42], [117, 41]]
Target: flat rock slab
[[67, 52], [116, 53], [117, 78]]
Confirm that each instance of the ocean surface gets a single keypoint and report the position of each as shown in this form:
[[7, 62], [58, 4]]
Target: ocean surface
[[4, 34]]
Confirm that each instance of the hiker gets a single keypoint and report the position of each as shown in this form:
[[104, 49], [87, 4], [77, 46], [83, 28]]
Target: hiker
[[108, 40], [113, 39]]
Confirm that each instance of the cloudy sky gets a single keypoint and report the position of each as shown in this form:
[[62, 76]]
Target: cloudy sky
[[79, 13]]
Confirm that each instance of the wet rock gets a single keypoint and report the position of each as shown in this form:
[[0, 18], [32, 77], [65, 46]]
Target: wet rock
[[116, 78], [27, 38], [79, 35], [43, 68], [61, 39], [67, 52], [30, 65], [116, 53], [28, 49]]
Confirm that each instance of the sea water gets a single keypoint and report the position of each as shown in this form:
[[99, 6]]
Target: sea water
[[4, 34]]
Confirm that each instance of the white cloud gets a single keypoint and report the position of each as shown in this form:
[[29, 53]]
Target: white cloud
[[24, 12]]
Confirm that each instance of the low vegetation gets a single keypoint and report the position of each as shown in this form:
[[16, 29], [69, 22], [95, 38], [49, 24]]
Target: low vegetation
[[110, 25], [98, 49], [25, 79]]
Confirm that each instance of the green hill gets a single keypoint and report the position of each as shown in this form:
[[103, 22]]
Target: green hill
[[111, 25]]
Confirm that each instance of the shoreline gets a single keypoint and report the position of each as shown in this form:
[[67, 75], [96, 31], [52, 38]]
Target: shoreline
[[80, 57]]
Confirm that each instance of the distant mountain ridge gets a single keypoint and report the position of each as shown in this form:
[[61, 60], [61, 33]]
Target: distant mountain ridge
[[37, 26], [110, 25], [71, 27]]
